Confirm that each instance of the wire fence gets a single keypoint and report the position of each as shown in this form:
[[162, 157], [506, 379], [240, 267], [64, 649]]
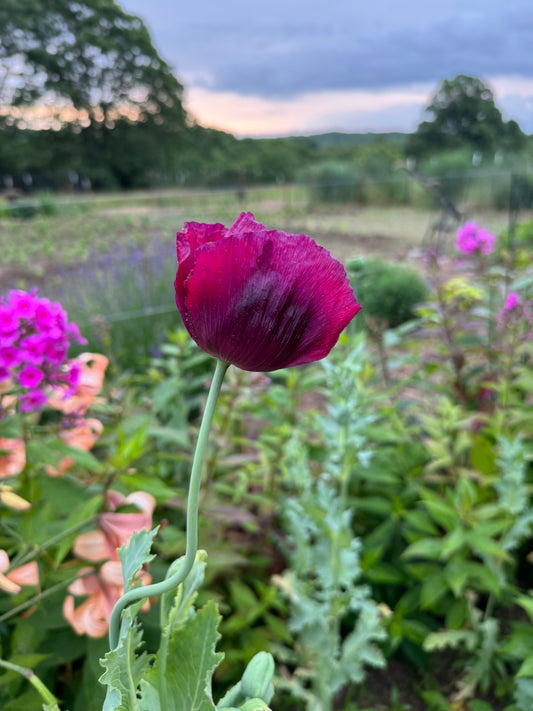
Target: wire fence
[[496, 188]]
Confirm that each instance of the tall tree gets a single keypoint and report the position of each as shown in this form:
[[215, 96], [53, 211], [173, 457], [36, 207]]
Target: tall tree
[[463, 113], [88, 54], [90, 69]]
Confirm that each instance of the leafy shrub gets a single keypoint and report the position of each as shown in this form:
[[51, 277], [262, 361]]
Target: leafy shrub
[[24, 209], [335, 182], [452, 170], [47, 204], [387, 292]]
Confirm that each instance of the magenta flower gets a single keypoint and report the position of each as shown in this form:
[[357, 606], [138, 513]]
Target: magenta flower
[[259, 299], [30, 376], [472, 238], [512, 301], [34, 338], [22, 303], [33, 348], [9, 321], [33, 400]]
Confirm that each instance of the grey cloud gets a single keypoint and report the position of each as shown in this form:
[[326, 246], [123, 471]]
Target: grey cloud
[[284, 48]]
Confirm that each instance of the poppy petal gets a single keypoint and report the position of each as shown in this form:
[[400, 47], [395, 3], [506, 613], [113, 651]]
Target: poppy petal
[[264, 300]]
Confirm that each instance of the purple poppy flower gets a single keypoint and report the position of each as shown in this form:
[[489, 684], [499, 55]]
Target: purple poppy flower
[[259, 299]]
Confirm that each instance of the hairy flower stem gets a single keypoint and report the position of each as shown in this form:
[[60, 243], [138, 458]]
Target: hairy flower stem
[[179, 576]]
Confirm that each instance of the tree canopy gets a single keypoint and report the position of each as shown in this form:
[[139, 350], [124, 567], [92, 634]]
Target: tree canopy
[[89, 55], [463, 113]]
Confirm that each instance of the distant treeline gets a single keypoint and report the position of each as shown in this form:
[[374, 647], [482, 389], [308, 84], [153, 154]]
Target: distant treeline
[[338, 168], [131, 157]]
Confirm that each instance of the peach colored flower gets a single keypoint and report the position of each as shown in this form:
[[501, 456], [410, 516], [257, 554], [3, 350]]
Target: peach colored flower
[[23, 575], [115, 529], [93, 367], [12, 457], [104, 588], [82, 436]]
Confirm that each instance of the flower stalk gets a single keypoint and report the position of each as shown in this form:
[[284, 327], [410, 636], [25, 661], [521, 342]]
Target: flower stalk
[[192, 515], [45, 693]]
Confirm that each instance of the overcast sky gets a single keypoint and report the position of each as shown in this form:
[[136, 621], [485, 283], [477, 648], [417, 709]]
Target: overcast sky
[[280, 67]]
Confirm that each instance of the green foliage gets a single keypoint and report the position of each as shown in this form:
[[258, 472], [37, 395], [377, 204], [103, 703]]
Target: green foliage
[[351, 521], [179, 676], [387, 292], [335, 182], [322, 581]]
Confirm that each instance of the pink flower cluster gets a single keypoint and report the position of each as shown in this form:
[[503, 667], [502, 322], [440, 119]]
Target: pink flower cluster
[[34, 339], [472, 238]]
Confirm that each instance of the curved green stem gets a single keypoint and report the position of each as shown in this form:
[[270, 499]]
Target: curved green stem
[[45, 694], [192, 516]]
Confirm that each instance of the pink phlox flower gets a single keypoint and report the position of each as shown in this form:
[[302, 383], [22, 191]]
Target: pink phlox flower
[[512, 301], [9, 321], [104, 587], [12, 457], [44, 315], [24, 304], [33, 348], [472, 238], [10, 357], [56, 350], [34, 340], [33, 400], [73, 332], [115, 528], [486, 241], [15, 579], [30, 376], [8, 339]]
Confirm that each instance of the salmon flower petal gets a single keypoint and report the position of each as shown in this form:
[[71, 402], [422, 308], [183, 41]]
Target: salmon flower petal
[[12, 457], [27, 574], [93, 546], [92, 368], [82, 436], [115, 528], [12, 582], [119, 527], [104, 588], [261, 300]]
